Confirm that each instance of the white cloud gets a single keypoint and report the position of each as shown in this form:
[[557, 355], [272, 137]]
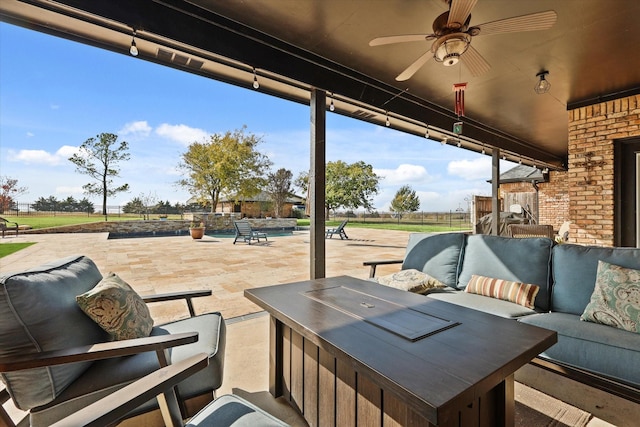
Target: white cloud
[[470, 170], [182, 133], [404, 174], [137, 129], [54, 106], [43, 157], [30, 134]]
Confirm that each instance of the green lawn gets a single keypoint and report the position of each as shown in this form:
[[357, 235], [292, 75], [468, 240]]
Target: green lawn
[[9, 248], [58, 220]]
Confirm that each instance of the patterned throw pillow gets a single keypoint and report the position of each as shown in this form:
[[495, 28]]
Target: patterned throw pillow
[[520, 293], [616, 298], [117, 308], [411, 280]]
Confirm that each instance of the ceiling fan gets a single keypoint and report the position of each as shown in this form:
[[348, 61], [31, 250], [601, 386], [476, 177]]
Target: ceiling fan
[[452, 35]]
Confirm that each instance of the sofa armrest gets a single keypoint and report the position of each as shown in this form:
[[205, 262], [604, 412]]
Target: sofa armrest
[[115, 406], [98, 351], [374, 264], [186, 295]]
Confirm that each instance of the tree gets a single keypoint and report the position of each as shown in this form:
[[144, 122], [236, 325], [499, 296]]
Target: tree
[[279, 188], [98, 158], [405, 200], [227, 164], [348, 186], [9, 190], [135, 205]]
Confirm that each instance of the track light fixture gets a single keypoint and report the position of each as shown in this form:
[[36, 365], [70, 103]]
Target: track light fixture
[[331, 106], [459, 144], [543, 85], [133, 50], [256, 85], [388, 122], [426, 132]]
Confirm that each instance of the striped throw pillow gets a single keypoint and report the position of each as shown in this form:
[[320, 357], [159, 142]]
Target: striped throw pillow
[[520, 293]]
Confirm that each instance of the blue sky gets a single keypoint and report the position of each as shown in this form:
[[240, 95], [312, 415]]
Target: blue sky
[[55, 94]]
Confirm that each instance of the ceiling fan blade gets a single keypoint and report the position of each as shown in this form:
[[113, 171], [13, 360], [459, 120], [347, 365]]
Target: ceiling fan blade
[[476, 64], [411, 69], [531, 22], [378, 41], [459, 11]]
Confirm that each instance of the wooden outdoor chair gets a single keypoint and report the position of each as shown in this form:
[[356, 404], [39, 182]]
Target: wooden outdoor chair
[[228, 410], [339, 230], [54, 359], [531, 230], [6, 225], [244, 232]]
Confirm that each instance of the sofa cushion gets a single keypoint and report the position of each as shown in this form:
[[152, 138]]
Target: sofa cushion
[[574, 273], [438, 255], [520, 293], [525, 260], [106, 376], [482, 303], [117, 308], [38, 312], [591, 346], [616, 298], [410, 280]]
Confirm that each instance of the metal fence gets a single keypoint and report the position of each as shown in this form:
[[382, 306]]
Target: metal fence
[[27, 209], [453, 219]]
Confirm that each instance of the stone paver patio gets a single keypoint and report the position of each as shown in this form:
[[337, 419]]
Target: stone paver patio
[[169, 264]]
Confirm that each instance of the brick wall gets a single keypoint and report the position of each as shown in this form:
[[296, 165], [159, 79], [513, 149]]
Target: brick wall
[[553, 200], [590, 175]]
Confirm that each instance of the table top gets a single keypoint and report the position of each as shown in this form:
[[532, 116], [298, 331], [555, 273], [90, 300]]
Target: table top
[[431, 353]]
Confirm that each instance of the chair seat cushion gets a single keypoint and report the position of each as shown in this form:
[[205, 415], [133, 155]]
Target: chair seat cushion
[[233, 411], [107, 376]]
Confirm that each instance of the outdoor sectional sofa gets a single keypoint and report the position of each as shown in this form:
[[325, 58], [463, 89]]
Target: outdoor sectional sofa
[[599, 355]]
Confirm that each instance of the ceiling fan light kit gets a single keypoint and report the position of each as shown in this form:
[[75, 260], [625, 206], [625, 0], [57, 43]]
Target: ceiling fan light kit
[[449, 48]]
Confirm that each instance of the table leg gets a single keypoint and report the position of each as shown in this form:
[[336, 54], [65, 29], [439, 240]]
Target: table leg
[[275, 356]]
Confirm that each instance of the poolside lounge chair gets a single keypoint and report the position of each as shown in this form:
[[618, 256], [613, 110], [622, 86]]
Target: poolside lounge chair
[[6, 225], [339, 230], [244, 232]]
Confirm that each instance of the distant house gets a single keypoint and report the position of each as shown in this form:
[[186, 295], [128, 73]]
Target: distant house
[[259, 206]]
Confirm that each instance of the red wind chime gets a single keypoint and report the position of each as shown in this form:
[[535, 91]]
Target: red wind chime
[[459, 88]]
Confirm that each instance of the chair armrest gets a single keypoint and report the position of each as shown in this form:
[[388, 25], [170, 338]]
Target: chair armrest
[[186, 295], [374, 264], [96, 351], [115, 406]]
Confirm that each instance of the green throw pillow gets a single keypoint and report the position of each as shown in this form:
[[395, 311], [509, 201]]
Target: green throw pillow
[[411, 280], [117, 308], [616, 298]]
